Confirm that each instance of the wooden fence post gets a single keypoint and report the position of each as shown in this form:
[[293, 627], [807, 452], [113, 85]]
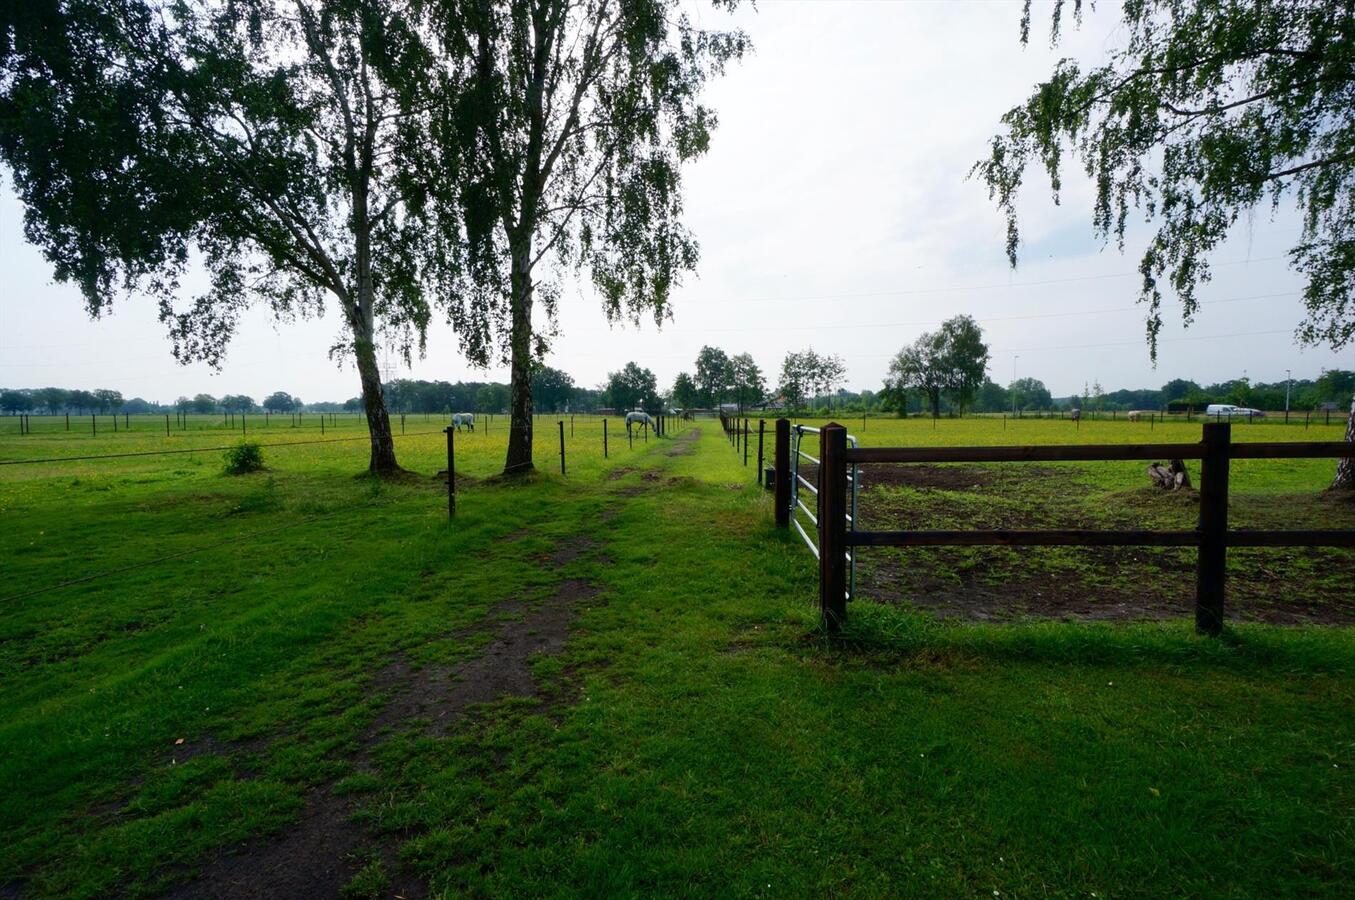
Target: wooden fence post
[[451, 471], [781, 484], [562, 446], [604, 438], [1213, 528], [833, 526], [745, 442], [761, 431]]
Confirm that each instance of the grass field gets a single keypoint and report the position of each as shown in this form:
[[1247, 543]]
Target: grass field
[[303, 681]]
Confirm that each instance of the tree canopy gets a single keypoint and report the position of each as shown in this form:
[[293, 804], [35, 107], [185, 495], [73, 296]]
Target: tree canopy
[[1030, 393], [1203, 113], [713, 376], [746, 383], [684, 393], [951, 360], [806, 374], [552, 388], [572, 121], [633, 387], [281, 401], [285, 147]]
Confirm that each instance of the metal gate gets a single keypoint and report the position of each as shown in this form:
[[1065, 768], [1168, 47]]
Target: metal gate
[[797, 506]]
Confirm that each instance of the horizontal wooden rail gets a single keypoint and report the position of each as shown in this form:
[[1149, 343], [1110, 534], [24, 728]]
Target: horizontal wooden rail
[[1070, 537], [1098, 452], [1292, 450], [1089, 538], [1051, 453], [1309, 538]]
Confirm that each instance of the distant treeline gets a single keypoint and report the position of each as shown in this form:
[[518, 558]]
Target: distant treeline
[[55, 401], [633, 386], [553, 391], [1332, 389]]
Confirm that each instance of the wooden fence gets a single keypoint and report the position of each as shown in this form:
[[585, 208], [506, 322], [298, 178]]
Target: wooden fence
[[838, 536]]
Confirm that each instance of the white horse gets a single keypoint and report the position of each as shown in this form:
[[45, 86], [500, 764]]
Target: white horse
[[638, 418], [467, 419]]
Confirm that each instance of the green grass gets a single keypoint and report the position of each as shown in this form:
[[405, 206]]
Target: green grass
[[698, 734]]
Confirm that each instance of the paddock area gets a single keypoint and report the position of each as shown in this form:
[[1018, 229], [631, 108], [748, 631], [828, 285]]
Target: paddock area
[[308, 682]]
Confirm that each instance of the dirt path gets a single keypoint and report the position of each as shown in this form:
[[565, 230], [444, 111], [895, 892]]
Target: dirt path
[[684, 443], [319, 854]]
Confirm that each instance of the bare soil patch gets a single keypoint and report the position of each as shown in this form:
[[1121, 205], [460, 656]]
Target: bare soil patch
[[318, 855], [945, 478], [684, 443], [570, 550], [1025, 594], [1280, 586]]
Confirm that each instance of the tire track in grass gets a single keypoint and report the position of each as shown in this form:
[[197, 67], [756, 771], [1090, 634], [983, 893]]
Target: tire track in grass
[[326, 849]]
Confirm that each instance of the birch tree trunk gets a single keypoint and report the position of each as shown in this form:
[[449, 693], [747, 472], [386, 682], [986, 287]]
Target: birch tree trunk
[[373, 400], [520, 342]]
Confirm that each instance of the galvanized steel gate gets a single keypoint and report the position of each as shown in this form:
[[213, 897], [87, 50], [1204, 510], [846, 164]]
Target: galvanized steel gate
[[798, 507]]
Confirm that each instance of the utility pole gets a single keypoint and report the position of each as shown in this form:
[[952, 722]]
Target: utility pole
[[1288, 379]]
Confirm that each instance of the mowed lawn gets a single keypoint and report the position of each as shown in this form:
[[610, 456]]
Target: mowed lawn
[[229, 651]]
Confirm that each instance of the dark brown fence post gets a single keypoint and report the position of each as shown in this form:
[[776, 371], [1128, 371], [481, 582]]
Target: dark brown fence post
[[1213, 559], [761, 431], [781, 462], [562, 446], [833, 526], [745, 442], [451, 472]]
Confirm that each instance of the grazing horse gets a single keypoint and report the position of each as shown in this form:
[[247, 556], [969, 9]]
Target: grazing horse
[[467, 419], [638, 418]]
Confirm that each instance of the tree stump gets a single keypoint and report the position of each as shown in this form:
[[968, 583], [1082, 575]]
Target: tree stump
[[1171, 477]]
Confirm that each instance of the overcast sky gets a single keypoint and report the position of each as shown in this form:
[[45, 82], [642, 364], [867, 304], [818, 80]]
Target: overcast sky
[[833, 211]]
